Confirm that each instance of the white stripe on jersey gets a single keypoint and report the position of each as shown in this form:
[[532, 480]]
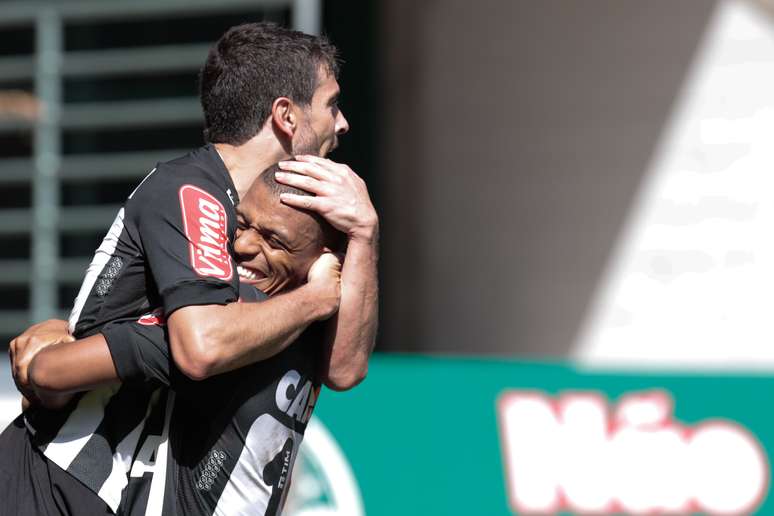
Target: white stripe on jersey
[[158, 484], [246, 493], [101, 257], [141, 182], [122, 461], [79, 427]]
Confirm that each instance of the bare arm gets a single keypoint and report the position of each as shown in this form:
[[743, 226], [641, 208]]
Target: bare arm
[[209, 334], [352, 332], [24, 347], [213, 339], [59, 370], [342, 198]]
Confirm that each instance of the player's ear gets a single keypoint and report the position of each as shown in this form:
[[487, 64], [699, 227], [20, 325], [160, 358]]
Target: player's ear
[[283, 116]]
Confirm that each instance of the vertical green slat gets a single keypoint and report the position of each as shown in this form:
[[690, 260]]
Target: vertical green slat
[[47, 149], [306, 16]]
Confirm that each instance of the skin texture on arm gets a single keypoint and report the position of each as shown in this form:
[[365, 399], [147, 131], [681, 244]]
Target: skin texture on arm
[[58, 371], [352, 331], [341, 197], [23, 348], [213, 339]]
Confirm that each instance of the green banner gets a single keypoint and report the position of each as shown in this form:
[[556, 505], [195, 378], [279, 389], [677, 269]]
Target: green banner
[[472, 436]]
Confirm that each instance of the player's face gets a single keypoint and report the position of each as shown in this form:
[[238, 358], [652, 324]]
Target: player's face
[[322, 122], [275, 244]]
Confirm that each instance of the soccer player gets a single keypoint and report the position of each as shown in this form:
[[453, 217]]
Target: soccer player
[[233, 438], [268, 94]]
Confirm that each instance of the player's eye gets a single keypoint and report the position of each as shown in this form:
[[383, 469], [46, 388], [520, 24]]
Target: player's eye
[[277, 244], [273, 241]]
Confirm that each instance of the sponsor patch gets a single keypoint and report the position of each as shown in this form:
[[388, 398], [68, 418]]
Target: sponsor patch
[[205, 223], [154, 318]]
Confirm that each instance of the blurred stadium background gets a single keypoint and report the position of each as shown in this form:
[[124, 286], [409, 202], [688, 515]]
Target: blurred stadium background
[[575, 196]]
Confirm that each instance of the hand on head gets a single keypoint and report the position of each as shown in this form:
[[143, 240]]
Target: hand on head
[[340, 195]]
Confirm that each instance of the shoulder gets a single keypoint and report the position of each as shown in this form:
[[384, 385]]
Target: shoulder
[[189, 179]]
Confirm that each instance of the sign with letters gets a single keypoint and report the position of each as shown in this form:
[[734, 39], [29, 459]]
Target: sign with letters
[[474, 436]]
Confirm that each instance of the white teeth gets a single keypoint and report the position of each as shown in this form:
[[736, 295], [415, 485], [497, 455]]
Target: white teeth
[[245, 273]]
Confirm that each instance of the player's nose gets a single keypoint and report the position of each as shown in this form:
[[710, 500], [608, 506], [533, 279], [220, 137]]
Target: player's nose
[[245, 247], [342, 125]]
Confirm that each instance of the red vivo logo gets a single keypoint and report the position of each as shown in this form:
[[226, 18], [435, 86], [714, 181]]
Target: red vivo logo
[[205, 223], [572, 454]]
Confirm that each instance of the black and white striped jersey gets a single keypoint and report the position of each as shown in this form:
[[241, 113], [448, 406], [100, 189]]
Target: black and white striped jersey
[[168, 247], [229, 442]]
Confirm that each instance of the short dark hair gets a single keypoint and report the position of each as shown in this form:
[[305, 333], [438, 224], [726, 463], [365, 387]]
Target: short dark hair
[[268, 178], [249, 67], [332, 238]]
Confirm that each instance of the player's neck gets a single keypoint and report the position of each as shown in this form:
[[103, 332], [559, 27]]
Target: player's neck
[[246, 162]]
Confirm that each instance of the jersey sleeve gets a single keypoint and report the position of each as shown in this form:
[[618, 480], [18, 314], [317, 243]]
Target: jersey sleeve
[[140, 348], [185, 224], [140, 351]]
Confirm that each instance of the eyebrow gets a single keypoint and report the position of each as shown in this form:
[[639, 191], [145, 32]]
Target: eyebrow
[[279, 235], [284, 239]]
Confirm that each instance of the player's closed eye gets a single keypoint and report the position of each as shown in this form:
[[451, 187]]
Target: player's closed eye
[[275, 243]]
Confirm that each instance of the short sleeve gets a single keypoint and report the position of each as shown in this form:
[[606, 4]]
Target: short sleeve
[[186, 226], [139, 350]]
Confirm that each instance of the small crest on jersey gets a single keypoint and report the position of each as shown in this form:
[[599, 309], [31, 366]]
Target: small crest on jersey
[[206, 227], [154, 318]]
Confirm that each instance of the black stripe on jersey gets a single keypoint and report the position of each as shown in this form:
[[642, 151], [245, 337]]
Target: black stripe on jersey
[[47, 422], [276, 474], [125, 410]]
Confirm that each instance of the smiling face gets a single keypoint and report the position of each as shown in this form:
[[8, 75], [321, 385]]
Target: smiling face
[[321, 122], [275, 244]]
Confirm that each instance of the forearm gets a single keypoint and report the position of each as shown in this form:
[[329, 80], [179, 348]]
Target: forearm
[[213, 339], [60, 370], [353, 331]]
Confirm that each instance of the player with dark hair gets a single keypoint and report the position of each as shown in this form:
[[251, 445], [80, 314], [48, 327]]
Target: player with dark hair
[[170, 249], [243, 424], [249, 68]]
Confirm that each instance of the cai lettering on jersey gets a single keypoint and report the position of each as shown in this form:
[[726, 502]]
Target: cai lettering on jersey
[[205, 223], [295, 397]]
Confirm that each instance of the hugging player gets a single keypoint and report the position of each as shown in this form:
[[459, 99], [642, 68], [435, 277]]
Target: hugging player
[[233, 438], [267, 93]]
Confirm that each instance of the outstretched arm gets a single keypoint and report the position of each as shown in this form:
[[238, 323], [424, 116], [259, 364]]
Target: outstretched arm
[[341, 197]]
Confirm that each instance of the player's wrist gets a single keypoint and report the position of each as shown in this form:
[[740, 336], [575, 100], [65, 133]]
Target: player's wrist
[[367, 231], [324, 298]]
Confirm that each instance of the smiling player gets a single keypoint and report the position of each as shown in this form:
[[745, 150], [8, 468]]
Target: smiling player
[[267, 93], [233, 438]]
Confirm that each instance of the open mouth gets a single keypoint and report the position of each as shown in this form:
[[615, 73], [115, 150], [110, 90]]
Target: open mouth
[[249, 275]]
